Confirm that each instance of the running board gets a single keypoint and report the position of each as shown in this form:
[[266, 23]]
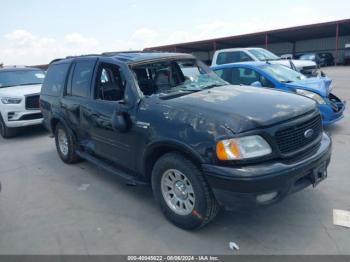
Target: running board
[[129, 179]]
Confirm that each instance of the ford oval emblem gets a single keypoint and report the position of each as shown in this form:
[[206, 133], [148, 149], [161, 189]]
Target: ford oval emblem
[[308, 133]]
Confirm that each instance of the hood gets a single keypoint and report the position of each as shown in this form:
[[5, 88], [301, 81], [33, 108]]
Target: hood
[[20, 91], [298, 63], [303, 63], [319, 85], [242, 108]]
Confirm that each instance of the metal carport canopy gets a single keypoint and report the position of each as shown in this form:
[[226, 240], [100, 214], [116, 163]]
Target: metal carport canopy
[[292, 35]]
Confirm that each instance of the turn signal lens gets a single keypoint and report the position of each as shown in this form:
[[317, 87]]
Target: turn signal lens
[[227, 149], [242, 148]]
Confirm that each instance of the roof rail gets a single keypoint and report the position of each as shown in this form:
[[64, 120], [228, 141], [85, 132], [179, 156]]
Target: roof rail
[[75, 56], [120, 52], [56, 60], [130, 52]]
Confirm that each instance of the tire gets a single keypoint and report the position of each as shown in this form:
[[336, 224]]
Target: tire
[[5, 132], [66, 144], [200, 201]]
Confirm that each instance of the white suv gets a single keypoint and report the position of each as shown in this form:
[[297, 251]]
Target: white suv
[[19, 98], [235, 55]]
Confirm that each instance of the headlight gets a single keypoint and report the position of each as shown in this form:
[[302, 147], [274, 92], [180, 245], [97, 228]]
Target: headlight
[[310, 94], [242, 148], [11, 100]]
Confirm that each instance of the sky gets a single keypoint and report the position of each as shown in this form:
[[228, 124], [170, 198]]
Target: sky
[[37, 31]]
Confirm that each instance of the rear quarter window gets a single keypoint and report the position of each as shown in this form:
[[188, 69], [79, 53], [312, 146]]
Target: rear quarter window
[[55, 79]]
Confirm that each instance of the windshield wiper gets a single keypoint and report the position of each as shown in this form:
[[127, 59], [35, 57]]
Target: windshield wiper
[[212, 86]]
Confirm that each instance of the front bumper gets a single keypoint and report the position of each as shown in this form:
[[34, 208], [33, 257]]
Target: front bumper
[[329, 116], [16, 116], [240, 186]]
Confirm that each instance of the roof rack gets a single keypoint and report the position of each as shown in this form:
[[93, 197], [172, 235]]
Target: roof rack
[[75, 56], [130, 52], [113, 53], [121, 52]]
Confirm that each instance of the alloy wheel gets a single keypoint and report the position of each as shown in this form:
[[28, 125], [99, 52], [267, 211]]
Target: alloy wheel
[[178, 192]]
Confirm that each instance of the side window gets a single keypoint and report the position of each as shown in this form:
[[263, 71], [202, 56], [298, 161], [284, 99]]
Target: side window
[[248, 76], [244, 57], [232, 57], [55, 79], [110, 83], [82, 78], [227, 74], [265, 82], [219, 72]]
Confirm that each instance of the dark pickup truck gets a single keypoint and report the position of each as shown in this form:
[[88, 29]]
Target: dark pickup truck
[[167, 120]]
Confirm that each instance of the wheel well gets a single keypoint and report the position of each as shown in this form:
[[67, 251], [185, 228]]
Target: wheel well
[[54, 123], [158, 152]]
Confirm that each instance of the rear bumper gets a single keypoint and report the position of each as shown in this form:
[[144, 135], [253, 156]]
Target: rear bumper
[[234, 187]]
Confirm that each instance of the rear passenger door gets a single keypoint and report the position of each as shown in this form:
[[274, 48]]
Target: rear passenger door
[[77, 93]]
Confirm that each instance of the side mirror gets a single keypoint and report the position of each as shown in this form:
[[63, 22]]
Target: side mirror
[[256, 84], [119, 121]]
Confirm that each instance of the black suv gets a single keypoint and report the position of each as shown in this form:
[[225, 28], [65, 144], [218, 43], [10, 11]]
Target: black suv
[[167, 120]]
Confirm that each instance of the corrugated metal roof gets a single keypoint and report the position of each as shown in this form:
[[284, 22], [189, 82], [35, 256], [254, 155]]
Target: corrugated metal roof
[[291, 34]]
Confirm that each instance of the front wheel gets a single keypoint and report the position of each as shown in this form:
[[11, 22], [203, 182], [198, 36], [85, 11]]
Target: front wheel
[[182, 192], [5, 131]]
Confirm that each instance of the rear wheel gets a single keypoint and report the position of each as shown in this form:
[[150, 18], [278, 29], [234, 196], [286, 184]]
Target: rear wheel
[[5, 132], [66, 144], [182, 192]]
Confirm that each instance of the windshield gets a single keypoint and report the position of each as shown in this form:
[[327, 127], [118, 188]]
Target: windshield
[[263, 54], [282, 73], [180, 75], [307, 57], [21, 77]]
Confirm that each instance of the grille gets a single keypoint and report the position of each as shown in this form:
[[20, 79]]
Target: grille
[[309, 68], [32, 102], [293, 138]]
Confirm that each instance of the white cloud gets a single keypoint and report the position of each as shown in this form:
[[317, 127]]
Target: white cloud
[[21, 37], [23, 47], [143, 36], [78, 39]]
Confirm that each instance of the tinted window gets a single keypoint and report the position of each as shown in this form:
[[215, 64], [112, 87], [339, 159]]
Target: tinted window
[[232, 57], [225, 74], [245, 76], [55, 79], [82, 78]]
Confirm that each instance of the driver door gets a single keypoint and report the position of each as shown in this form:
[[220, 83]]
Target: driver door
[[108, 96]]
